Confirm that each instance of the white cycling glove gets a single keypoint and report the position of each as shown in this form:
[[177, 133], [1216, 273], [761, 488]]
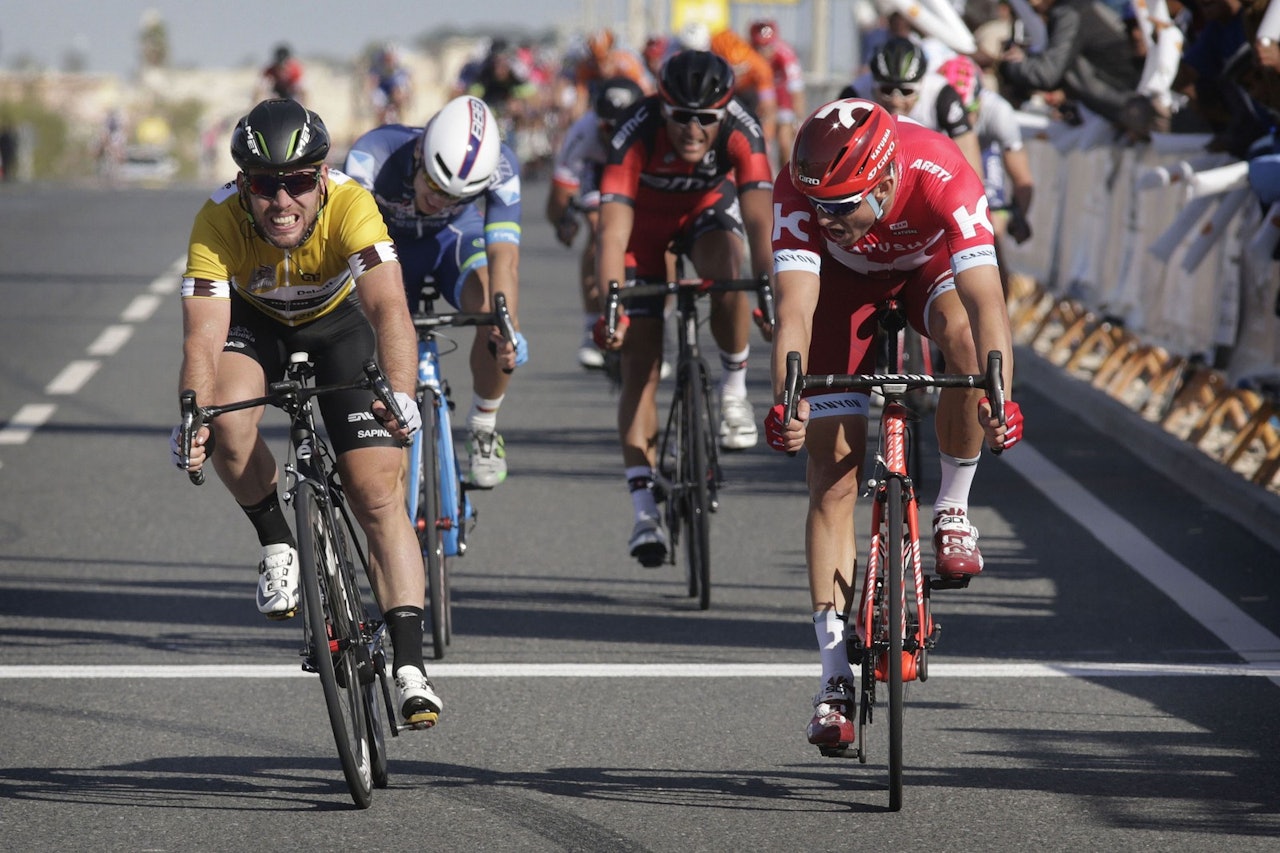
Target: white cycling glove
[[409, 408]]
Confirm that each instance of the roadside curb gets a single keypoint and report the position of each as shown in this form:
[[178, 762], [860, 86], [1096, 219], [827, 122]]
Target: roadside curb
[[1232, 494]]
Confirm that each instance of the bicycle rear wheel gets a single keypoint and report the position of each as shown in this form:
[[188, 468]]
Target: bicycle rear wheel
[[428, 526], [894, 575], [695, 472], [335, 638]]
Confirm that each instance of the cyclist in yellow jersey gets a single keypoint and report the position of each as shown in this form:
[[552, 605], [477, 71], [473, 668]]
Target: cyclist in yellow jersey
[[293, 256]]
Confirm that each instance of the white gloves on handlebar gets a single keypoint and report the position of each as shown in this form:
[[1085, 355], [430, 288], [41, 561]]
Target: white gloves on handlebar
[[409, 408]]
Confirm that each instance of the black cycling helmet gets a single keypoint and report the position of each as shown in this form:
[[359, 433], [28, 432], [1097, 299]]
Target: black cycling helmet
[[616, 95], [899, 60], [279, 134], [696, 80]]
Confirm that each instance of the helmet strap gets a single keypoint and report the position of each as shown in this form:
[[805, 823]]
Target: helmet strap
[[875, 206]]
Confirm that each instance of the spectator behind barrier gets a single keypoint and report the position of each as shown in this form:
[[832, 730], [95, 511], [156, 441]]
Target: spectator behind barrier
[[1089, 56]]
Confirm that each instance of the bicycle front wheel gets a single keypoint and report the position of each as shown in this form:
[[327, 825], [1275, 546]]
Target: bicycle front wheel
[[894, 573], [430, 513], [335, 639], [695, 476]]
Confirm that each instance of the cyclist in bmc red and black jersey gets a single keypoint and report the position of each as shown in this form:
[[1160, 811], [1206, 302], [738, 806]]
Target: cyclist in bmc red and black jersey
[[873, 207], [686, 166]]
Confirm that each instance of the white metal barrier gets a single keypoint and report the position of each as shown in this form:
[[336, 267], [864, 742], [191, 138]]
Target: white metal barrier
[[1150, 274]]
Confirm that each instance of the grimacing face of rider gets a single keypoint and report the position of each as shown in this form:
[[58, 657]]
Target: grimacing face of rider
[[852, 227], [692, 141], [285, 219]]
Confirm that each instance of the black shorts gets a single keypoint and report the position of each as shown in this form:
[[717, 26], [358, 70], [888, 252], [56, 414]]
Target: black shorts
[[339, 343]]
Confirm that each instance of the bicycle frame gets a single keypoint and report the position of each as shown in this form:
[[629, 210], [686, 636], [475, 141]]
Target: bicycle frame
[[443, 522], [455, 512]]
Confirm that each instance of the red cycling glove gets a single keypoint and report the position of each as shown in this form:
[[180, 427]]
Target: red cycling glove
[[600, 332], [773, 427], [1012, 422]]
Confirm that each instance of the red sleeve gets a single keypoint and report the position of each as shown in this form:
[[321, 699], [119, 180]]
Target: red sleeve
[[750, 162]]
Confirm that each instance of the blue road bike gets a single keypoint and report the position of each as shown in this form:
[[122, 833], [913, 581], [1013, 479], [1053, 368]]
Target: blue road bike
[[436, 493]]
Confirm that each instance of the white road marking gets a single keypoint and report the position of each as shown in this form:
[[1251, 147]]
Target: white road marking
[[111, 340], [950, 669], [27, 420], [73, 377], [141, 308], [1243, 634]]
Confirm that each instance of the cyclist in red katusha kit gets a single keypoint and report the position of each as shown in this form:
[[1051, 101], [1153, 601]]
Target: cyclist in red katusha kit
[[873, 206]]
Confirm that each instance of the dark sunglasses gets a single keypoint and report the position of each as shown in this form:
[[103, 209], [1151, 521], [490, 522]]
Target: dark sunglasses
[[702, 117], [836, 208], [294, 183], [889, 90]]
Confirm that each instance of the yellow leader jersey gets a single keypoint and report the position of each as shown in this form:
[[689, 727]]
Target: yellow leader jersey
[[294, 286]]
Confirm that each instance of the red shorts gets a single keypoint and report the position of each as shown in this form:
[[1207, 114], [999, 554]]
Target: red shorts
[[844, 322], [659, 223]]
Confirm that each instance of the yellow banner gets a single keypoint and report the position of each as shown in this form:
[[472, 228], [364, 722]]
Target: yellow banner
[[713, 13]]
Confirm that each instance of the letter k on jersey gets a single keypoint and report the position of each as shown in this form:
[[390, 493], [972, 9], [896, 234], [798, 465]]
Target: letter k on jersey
[[793, 222]]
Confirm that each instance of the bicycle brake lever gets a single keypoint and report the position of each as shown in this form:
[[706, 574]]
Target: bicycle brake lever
[[995, 389], [791, 391], [382, 390], [611, 311], [190, 426], [505, 325]]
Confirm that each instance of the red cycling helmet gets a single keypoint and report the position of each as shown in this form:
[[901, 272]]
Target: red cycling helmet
[[763, 33], [844, 150]]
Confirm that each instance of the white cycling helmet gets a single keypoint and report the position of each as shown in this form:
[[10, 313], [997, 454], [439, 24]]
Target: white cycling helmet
[[460, 147]]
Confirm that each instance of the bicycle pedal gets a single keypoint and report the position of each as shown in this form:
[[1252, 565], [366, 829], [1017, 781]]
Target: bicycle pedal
[[422, 722]]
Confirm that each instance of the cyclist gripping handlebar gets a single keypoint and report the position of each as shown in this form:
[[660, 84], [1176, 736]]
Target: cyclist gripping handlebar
[[862, 225]]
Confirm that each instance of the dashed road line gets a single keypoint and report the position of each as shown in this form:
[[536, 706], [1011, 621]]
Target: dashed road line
[[73, 377], [27, 420], [110, 340]]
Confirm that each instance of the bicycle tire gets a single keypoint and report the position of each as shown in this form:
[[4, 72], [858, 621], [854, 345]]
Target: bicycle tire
[[695, 469], [428, 526], [671, 455], [894, 570], [377, 728], [334, 640]]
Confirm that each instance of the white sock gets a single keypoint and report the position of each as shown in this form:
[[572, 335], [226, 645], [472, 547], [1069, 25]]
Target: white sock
[[483, 416], [830, 629], [957, 479], [733, 377]]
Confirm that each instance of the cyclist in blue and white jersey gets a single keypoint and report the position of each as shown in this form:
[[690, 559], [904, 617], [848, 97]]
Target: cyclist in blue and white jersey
[[429, 184]]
